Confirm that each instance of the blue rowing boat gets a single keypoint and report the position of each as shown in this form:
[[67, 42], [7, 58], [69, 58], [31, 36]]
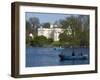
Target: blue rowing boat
[[64, 57]]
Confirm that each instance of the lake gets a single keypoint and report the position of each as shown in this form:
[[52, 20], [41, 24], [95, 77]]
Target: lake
[[40, 56]]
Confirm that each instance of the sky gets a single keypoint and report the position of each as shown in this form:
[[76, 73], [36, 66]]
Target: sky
[[46, 17]]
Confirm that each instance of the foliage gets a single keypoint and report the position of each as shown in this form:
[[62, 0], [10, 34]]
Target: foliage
[[84, 38], [35, 23], [28, 26], [78, 37], [56, 43], [50, 40], [46, 25], [41, 41]]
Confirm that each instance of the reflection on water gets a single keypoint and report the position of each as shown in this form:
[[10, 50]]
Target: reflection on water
[[36, 56]]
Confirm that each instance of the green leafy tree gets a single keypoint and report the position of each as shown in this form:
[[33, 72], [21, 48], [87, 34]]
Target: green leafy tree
[[39, 41], [49, 40], [74, 38]]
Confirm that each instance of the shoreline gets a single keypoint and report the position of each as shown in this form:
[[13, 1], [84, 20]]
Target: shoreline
[[57, 47]]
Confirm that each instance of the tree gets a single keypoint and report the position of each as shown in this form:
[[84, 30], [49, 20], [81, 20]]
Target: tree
[[39, 41], [46, 25], [28, 26], [28, 30], [85, 30], [57, 23], [74, 38], [35, 23], [50, 40], [84, 22], [84, 38]]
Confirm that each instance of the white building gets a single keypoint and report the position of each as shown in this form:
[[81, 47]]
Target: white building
[[52, 32]]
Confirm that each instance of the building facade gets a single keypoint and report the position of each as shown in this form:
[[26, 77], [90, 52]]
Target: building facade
[[52, 32]]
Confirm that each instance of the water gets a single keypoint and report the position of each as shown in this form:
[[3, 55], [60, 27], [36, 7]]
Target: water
[[37, 56]]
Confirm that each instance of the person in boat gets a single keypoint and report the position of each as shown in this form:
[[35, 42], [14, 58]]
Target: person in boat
[[73, 53], [81, 54], [61, 55]]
